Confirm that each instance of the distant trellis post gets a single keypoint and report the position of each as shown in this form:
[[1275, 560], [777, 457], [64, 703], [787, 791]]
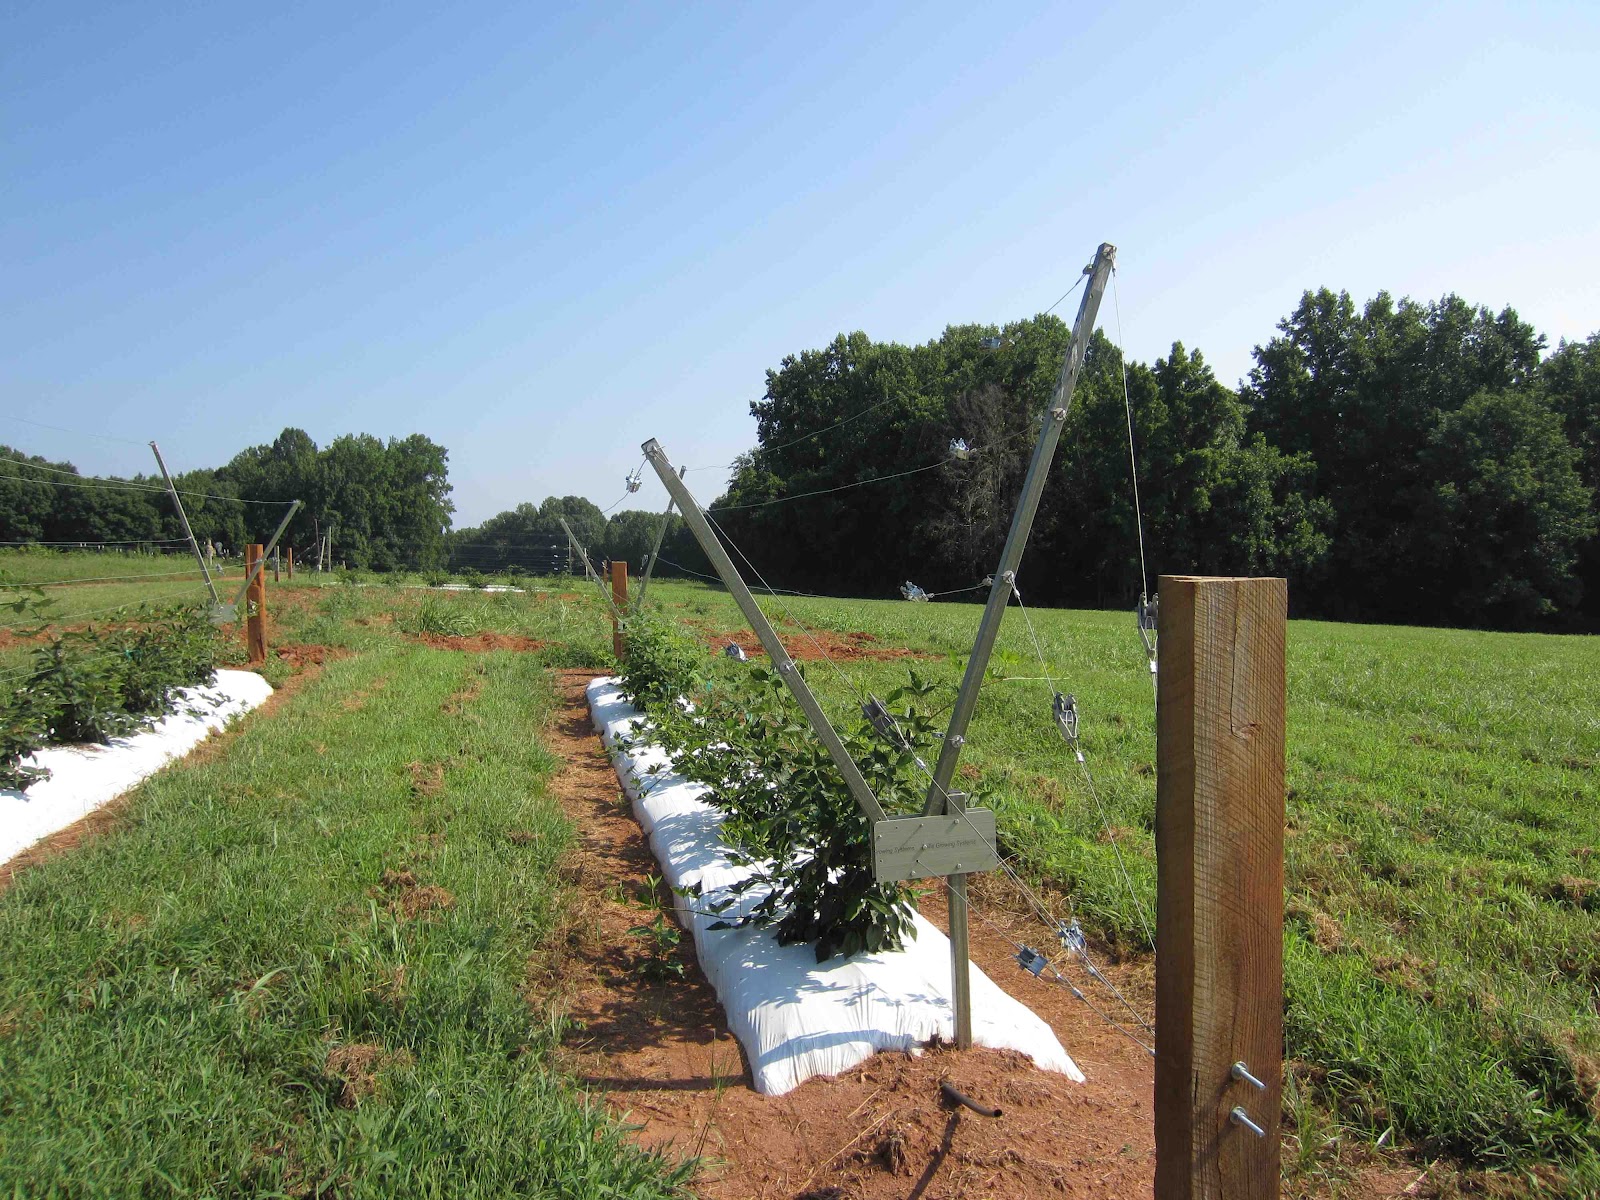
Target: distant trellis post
[[1219, 903], [619, 605], [256, 598]]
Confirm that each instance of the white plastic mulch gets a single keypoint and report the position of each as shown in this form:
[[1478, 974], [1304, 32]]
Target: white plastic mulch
[[794, 1016], [82, 778]]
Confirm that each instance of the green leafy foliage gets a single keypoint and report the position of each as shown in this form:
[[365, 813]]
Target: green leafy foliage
[[662, 663], [93, 685], [787, 813]]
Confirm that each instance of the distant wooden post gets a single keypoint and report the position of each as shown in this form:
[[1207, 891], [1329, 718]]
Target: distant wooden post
[[619, 597], [256, 599], [1219, 906], [277, 562], [288, 560]]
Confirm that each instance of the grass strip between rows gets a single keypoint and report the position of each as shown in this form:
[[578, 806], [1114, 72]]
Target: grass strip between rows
[[302, 966]]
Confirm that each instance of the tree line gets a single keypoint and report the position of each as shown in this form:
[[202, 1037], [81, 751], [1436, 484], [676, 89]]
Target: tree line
[[386, 504], [1401, 461]]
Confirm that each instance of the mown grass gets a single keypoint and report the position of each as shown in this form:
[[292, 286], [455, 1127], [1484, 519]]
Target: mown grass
[[1443, 938], [45, 565], [312, 964]]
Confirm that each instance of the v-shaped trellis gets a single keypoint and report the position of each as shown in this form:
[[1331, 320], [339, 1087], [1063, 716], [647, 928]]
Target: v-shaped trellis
[[948, 839]]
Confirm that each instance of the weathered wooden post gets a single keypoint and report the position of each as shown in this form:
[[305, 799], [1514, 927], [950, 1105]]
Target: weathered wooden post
[[256, 598], [619, 605], [277, 564], [1219, 904], [288, 560]]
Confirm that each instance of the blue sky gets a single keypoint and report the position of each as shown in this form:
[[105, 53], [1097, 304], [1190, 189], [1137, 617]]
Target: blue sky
[[542, 236]]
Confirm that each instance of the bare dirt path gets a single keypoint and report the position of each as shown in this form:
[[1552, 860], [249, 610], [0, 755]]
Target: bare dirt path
[[662, 1055]]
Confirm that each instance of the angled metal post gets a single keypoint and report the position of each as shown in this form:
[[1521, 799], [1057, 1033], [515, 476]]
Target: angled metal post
[[572, 540], [183, 518], [770, 642], [267, 551], [1055, 416], [655, 551]]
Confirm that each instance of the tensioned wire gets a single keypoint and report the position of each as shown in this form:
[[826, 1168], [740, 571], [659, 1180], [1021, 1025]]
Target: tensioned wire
[[68, 617], [1088, 778], [1039, 907], [95, 483]]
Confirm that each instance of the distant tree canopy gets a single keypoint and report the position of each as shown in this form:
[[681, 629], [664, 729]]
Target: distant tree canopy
[[1404, 462], [387, 503]]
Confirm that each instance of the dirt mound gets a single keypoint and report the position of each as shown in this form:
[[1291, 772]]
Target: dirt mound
[[480, 643], [808, 647]]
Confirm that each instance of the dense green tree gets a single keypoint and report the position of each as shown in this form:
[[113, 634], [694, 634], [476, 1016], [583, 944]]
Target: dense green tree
[[1361, 395], [1506, 513]]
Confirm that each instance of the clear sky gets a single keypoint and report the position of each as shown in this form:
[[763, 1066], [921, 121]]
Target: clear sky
[[542, 236]]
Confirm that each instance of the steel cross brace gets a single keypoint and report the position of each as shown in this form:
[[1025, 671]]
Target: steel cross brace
[[266, 553], [589, 570], [770, 642], [1005, 575]]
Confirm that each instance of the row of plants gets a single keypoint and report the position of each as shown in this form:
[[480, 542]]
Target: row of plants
[[97, 683], [787, 815]]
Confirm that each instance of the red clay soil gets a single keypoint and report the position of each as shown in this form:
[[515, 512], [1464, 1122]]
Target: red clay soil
[[662, 1056], [478, 643], [819, 643], [661, 1053]]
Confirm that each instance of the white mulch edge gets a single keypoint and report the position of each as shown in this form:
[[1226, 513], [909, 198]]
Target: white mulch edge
[[82, 778]]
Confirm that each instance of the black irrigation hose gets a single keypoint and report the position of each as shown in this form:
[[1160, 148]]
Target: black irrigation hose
[[955, 1097]]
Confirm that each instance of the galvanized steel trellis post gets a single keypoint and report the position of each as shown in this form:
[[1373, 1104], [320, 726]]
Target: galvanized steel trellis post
[[183, 518], [1055, 417]]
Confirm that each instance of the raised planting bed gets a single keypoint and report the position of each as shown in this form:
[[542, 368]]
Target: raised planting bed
[[794, 1016]]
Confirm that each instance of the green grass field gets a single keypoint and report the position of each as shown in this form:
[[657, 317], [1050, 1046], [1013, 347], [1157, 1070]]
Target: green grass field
[[307, 966], [1443, 935]]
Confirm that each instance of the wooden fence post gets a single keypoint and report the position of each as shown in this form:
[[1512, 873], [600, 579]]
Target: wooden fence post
[[619, 597], [1219, 905], [277, 563], [288, 560], [256, 602]]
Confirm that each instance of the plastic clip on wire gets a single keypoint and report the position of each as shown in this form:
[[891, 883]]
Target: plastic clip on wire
[[1065, 710], [1030, 960], [1148, 610], [912, 592], [633, 481], [959, 449]]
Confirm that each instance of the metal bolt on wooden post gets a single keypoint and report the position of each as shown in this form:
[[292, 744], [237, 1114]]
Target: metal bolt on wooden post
[[256, 596], [619, 602], [1219, 903]]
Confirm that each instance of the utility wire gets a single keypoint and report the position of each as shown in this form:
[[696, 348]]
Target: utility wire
[[104, 437], [65, 618], [85, 543], [1133, 462], [95, 483]]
